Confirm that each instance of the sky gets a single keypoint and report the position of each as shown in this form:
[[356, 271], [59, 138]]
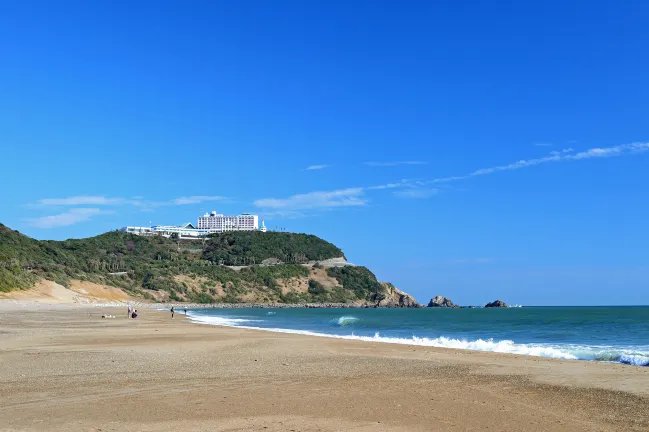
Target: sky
[[477, 150]]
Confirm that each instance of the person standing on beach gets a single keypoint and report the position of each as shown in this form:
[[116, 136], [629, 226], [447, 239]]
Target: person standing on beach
[[128, 315], [172, 312], [185, 311]]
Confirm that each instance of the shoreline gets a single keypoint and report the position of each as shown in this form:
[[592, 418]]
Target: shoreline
[[507, 347], [526, 350], [270, 306], [70, 370]]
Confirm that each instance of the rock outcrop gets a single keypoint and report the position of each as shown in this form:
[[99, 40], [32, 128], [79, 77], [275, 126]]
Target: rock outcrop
[[496, 304], [395, 298], [406, 300], [440, 301]]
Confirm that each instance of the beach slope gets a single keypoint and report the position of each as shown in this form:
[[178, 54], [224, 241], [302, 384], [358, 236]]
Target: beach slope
[[68, 369]]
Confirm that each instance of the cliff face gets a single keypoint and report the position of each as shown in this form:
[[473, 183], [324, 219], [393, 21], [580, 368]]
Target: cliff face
[[406, 300], [394, 298]]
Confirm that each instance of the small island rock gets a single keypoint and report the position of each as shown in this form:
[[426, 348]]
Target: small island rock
[[496, 304], [441, 301]]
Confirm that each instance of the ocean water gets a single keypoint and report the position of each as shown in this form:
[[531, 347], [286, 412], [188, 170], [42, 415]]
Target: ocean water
[[607, 334]]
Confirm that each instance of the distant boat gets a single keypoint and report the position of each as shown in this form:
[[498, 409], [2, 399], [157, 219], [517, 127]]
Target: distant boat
[[516, 305]]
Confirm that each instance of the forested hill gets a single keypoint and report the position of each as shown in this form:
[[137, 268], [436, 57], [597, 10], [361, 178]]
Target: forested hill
[[253, 247], [157, 268]]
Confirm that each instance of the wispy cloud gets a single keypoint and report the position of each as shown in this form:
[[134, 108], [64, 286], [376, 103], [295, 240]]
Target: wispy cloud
[[138, 201], [408, 188], [416, 192], [85, 200], [196, 199], [559, 153], [303, 204], [394, 185], [606, 152], [543, 144], [70, 217], [394, 163], [350, 197], [317, 167]]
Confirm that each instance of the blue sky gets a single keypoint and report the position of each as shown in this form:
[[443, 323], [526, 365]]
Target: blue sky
[[478, 150]]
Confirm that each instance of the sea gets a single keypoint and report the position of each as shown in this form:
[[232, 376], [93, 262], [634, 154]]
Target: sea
[[601, 334]]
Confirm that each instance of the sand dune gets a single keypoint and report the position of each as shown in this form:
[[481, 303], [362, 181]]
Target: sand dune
[[80, 292]]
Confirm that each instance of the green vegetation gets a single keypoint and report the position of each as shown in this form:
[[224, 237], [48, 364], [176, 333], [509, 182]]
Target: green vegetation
[[156, 268], [13, 276], [316, 288], [252, 247], [360, 281]]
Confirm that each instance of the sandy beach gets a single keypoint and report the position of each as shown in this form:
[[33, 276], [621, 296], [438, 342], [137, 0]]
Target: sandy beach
[[64, 368]]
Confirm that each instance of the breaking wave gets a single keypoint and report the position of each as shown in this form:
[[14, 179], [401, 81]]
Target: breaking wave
[[344, 321], [567, 352], [221, 321]]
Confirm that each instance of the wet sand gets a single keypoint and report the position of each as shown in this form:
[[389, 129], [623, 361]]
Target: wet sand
[[67, 369]]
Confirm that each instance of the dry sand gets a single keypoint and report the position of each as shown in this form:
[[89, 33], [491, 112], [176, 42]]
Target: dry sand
[[65, 368]]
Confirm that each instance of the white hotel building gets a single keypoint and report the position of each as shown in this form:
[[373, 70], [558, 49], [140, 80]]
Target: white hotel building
[[221, 223], [207, 224]]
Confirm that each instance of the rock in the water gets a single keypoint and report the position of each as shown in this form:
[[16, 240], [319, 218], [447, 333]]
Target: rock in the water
[[440, 301], [496, 304]]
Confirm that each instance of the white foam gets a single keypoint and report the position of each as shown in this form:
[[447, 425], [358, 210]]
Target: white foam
[[220, 321], [635, 359], [567, 352], [344, 320]]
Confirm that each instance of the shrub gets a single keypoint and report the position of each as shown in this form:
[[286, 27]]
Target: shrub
[[357, 279], [316, 288], [202, 298]]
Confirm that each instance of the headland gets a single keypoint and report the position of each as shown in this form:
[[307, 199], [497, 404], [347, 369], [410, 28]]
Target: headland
[[231, 267]]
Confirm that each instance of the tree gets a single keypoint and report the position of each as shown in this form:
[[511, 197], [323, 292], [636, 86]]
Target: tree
[[175, 237], [316, 288]]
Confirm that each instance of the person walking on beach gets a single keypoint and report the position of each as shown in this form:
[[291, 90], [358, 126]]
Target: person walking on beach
[[172, 312], [128, 315], [185, 311]]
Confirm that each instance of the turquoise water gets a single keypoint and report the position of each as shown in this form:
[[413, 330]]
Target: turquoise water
[[611, 334]]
